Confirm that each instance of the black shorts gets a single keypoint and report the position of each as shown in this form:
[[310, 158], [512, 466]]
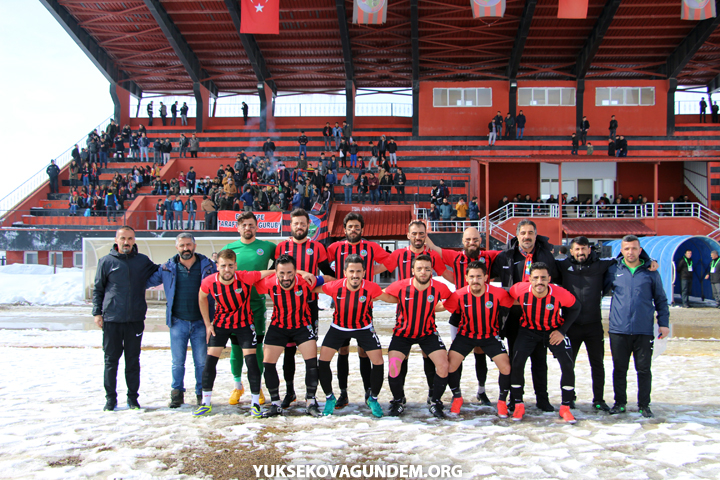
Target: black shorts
[[346, 343], [492, 346], [281, 337], [367, 339], [245, 337], [428, 343]]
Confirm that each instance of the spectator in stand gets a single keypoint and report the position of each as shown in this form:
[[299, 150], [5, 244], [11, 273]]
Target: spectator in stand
[[714, 109], [589, 148], [194, 146], [297, 199], [111, 130], [85, 174], [208, 206], [183, 145], [120, 148], [492, 133], [245, 110], [74, 172], [157, 149], [331, 180], [621, 146], [346, 131], [613, 127], [374, 154], [611, 147], [53, 172], [302, 163], [183, 114], [374, 188], [499, 123], [144, 144], [354, 149], [446, 212], [520, 125], [134, 146], [159, 213], [474, 210], [111, 204], [167, 149], [168, 204], [182, 181], [433, 215], [327, 135], [337, 134], [248, 199], [703, 109], [347, 181], [509, 126], [178, 208], [382, 146], [173, 113], [163, 112], [400, 181], [191, 176], [363, 186], [343, 152], [503, 202], [386, 184], [584, 127], [461, 209], [303, 141], [74, 199], [392, 151], [269, 148], [150, 113], [575, 144], [93, 146]]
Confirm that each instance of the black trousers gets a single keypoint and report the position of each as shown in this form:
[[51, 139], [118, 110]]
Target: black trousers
[[54, 185], [685, 289], [119, 338], [538, 358], [641, 349], [593, 337]]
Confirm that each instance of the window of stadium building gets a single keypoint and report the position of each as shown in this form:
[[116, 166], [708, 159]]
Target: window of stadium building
[[546, 97], [631, 96], [462, 97]]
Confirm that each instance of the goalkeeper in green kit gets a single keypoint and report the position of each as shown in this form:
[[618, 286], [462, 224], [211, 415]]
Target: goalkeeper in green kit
[[252, 255]]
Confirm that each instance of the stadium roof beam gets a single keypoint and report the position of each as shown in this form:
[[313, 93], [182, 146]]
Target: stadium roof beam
[[92, 49], [348, 60], [714, 85], [689, 46], [593, 42], [517, 52], [183, 51]]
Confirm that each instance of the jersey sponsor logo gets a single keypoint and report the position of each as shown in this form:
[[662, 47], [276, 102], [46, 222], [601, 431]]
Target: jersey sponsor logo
[[362, 299], [431, 298], [309, 251], [363, 252], [260, 251], [549, 306], [488, 304]]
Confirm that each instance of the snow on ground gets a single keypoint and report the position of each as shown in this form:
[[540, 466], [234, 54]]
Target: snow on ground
[[36, 284]]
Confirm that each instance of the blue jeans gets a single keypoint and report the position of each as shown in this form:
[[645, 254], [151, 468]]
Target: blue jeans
[[180, 332], [348, 195], [168, 221], [519, 132], [158, 221], [374, 196], [178, 220], [73, 209], [303, 149], [353, 160], [191, 221], [103, 158], [144, 152]]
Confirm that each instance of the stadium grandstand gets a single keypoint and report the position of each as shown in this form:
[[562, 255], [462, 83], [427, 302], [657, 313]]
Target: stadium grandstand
[[626, 59]]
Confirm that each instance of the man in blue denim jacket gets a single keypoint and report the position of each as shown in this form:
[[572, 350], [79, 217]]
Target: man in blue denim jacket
[[181, 277]]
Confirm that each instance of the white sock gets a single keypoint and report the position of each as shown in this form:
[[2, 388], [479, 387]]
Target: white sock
[[206, 396], [276, 403], [238, 385], [256, 399]]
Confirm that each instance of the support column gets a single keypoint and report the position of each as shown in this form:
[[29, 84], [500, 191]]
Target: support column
[[350, 92], [121, 102], [579, 104], [512, 97], [487, 206], [672, 87], [656, 191], [267, 107], [560, 204], [202, 100]]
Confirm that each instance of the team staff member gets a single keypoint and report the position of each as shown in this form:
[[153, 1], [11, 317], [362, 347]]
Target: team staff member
[[352, 296], [458, 262], [252, 255], [637, 294], [372, 253], [415, 325], [713, 274], [684, 268], [291, 323], [181, 277], [310, 256], [119, 308], [479, 306], [541, 324], [232, 321], [402, 260], [511, 266]]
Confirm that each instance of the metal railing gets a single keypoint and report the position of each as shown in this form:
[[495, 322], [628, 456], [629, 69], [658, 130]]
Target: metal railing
[[40, 178]]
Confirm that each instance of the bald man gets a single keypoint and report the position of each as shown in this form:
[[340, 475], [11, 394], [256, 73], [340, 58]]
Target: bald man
[[458, 262]]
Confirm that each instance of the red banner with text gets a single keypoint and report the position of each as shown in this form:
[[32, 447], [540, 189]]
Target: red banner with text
[[268, 222]]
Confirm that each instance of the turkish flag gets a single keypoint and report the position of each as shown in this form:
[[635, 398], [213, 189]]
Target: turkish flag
[[572, 8], [260, 16]]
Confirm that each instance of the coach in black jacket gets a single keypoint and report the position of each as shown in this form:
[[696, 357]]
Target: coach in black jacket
[[510, 267], [119, 308]]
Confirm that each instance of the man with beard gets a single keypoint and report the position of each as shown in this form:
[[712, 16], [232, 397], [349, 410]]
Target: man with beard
[[583, 274], [542, 325], [372, 253], [291, 323], [232, 321], [402, 260], [181, 277], [479, 306], [352, 296], [511, 266], [252, 255], [119, 308], [458, 262], [415, 325], [310, 256]]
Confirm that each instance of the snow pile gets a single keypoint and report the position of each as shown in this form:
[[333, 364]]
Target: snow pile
[[36, 284]]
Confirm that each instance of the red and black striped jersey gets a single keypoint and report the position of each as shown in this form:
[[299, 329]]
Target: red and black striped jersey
[[402, 259], [290, 307], [351, 308], [458, 261], [308, 255], [541, 313], [232, 302], [416, 309], [370, 251], [479, 315]]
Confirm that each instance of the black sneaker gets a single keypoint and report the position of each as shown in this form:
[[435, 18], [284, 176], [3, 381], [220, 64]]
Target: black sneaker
[[313, 409], [601, 406], [133, 404], [289, 398], [545, 406], [618, 408], [110, 406], [437, 410], [646, 412], [484, 400], [342, 401], [273, 411], [177, 398], [396, 408]]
